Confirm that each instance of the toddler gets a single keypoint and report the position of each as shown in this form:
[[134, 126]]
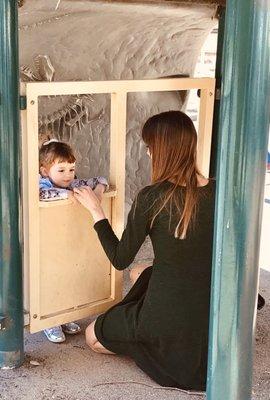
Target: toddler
[[57, 172], [57, 178]]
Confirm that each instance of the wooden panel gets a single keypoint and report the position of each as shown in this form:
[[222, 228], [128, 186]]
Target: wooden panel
[[25, 203], [74, 269], [117, 173], [70, 276], [205, 129], [31, 198], [120, 88], [74, 272], [36, 89]]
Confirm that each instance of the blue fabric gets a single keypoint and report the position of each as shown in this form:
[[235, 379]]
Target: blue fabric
[[45, 183]]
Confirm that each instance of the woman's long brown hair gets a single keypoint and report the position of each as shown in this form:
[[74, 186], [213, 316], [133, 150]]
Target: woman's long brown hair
[[172, 141]]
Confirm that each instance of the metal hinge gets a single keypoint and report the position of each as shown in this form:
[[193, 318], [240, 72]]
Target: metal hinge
[[22, 102], [217, 93], [26, 318], [3, 322]]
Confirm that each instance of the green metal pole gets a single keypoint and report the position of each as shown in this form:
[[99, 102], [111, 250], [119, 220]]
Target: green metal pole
[[243, 135], [11, 307]]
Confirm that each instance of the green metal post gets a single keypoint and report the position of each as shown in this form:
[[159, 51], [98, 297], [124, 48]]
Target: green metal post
[[11, 307], [243, 135]]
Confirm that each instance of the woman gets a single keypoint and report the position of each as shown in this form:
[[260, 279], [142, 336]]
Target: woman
[[162, 323]]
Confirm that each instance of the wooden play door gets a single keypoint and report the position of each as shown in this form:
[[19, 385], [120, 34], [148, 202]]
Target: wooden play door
[[67, 275]]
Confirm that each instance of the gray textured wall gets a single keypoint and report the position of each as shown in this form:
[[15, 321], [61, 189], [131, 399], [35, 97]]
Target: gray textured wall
[[100, 41]]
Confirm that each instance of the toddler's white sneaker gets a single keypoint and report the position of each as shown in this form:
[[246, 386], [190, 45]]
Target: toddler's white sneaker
[[55, 334]]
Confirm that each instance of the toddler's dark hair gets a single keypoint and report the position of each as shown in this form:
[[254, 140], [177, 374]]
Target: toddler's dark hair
[[55, 151]]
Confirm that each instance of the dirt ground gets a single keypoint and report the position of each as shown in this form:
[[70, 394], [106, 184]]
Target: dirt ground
[[70, 371]]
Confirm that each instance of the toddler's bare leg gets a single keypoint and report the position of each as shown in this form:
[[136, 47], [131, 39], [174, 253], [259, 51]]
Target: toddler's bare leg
[[92, 341], [136, 272]]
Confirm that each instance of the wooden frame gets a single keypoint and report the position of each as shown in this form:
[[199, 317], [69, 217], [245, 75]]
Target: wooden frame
[[31, 204]]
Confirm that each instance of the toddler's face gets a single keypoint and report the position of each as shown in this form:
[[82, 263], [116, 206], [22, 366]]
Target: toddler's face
[[61, 173]]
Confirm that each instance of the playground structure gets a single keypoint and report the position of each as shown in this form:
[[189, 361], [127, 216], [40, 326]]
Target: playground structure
[[241, 144]]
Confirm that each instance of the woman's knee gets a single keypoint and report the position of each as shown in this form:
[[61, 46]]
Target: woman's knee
[[90, 336], [93, 342]]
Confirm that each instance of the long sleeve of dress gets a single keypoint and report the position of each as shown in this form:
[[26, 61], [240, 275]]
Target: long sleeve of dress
[[122, 252]]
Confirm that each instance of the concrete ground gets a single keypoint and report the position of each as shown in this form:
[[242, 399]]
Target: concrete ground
[[70, 371]]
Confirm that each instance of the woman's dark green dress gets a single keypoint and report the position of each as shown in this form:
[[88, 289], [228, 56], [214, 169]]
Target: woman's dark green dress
[[162, 323]]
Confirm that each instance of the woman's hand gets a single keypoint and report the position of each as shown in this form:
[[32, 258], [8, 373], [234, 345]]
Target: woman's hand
[[99, 190], [89, 200]]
